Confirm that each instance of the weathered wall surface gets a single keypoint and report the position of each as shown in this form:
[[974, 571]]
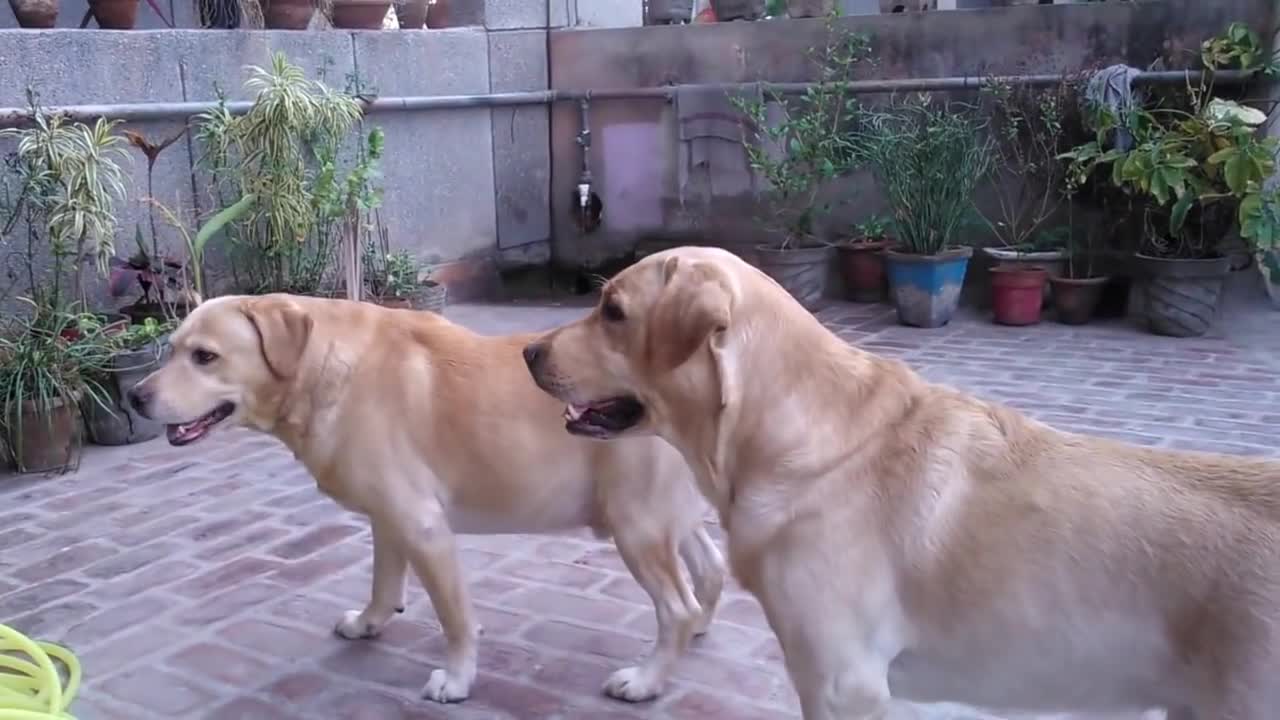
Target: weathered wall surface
[[643, 171]]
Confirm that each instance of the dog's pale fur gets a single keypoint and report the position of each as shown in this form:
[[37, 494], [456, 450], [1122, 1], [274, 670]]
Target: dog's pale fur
[[429, 429], [908, 540]]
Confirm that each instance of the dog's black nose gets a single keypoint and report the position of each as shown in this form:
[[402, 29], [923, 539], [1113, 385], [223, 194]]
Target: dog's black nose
[[139, 399], [534, 354]]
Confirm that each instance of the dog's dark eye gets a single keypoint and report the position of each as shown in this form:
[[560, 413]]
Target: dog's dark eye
[[612, 312], [203, 357]]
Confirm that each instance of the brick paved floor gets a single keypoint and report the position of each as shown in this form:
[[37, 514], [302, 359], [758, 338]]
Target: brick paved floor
[[203, 582]]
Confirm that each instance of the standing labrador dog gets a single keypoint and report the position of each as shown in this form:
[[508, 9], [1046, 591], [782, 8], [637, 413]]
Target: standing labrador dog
[[429, 429], [908, 540]]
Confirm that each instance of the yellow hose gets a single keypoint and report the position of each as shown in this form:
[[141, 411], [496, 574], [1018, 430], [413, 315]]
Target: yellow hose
[[31, 689]]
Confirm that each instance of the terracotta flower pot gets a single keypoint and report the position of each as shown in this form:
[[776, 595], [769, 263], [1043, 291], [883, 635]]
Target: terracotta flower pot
[[360, 14], [440, 14], [45, 440], [727, 10], [810, 8], [412, 15], [1076, 299], [1017, 293], [35, 13], [115, 14], [288, 14], [862, 267]]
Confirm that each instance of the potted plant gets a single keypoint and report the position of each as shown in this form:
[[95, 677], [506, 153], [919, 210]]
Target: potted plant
[[669, 12], [726, 10], [1197, 172], [810, 8], [160, 279], [412, 14], [285, 158], [796, 155], [359, 14], [43, 378], [42, 14], [1260, 227], [391, 278], [129, 357], [287, 14], [861, 259], [1028, 181], [927, 159]]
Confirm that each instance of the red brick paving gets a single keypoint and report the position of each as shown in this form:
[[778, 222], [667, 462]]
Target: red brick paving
[[223, 606]]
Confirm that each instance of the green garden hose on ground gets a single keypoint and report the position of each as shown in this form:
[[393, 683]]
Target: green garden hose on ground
[[30, 687]]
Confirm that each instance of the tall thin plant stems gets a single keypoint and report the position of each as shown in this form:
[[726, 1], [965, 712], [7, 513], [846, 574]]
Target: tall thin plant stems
[[1026, 127], [928, 161]]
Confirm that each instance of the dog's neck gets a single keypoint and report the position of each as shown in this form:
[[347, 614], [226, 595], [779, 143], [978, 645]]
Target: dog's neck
[[776, 409], [301, 410]]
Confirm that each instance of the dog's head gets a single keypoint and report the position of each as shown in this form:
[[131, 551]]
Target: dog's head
[[649, 351], [232, 360]]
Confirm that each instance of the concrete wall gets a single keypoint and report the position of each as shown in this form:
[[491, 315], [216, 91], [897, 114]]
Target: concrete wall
[[642, 170]]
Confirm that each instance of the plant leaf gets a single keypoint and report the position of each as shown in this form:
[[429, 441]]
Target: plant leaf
[[1178, 216]]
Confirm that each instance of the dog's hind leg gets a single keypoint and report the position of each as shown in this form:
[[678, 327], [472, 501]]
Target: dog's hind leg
[[656, 567], [706, 567], [387, 598]]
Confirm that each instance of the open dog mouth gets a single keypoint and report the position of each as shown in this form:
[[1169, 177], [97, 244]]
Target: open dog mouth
[[603, 418], [189, 432]]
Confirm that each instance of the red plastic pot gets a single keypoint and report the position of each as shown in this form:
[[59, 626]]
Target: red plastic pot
[[1017, 293]]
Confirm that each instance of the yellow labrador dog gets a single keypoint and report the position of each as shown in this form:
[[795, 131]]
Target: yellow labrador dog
[[907, 540], [429, 429]]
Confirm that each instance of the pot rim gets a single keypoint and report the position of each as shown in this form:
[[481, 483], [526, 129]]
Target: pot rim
[[1093, 280], [952, 254]]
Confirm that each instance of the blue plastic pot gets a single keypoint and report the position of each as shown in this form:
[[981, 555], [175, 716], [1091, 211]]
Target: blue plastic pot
[[926, 288]]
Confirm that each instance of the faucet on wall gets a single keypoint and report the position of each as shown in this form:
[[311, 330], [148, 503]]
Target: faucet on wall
[[587, 206]]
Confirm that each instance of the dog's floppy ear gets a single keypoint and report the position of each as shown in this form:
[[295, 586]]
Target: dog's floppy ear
[[283, 329], [695, 303]]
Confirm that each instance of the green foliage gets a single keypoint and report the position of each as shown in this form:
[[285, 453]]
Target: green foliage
[[928, 159], [874, 228], [47, 360], [1199, 169], [810, 143], [1237, 48], [69, 181], [388, 273], [281, 167]]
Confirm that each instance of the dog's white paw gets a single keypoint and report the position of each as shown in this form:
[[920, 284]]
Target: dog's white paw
[[353, 626], [445, 688], [702, 623], [633, 684]]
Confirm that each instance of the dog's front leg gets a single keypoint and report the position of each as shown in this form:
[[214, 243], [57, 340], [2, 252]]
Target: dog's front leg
[[431, 550], [837, 638], [387, 596]]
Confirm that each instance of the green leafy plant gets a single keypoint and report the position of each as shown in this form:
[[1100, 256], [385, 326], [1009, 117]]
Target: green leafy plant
[[1198, 169], [285, 154], [70, 179], [928, 159], [388, 273], [876, 228], [809, 144], [47, 359]]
